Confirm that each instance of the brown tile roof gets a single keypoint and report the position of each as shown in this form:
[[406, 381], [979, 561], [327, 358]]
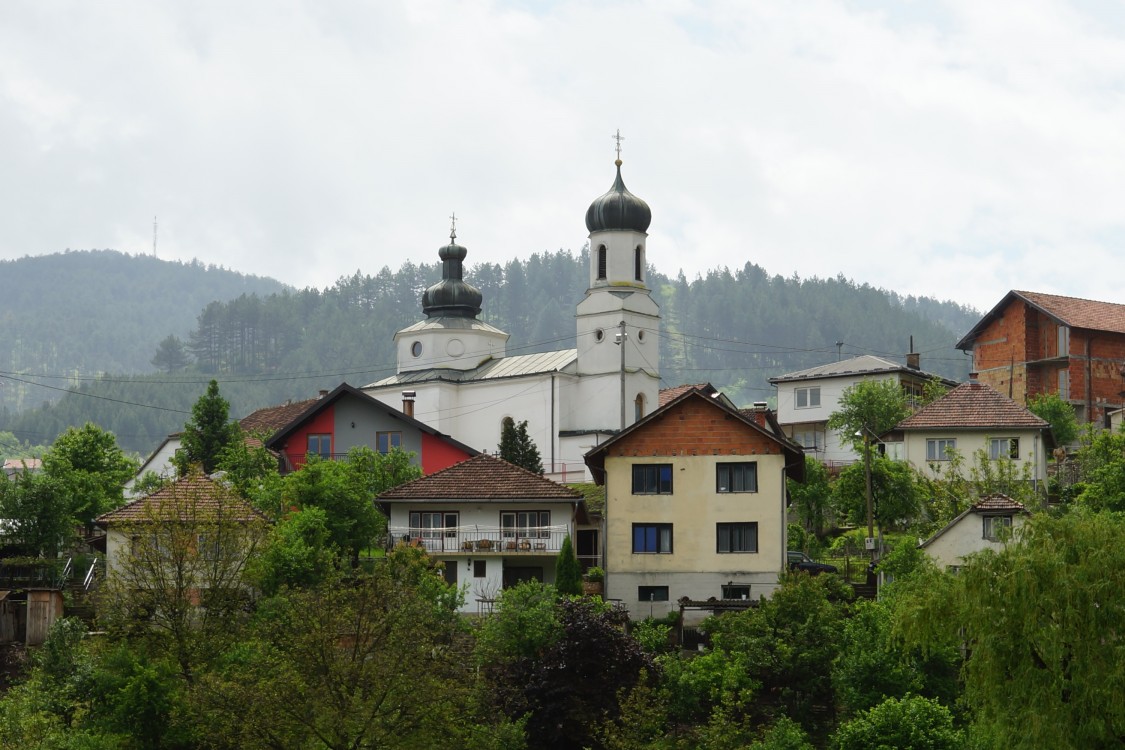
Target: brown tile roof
[[482, 477], [972, 406], [997, 502], [273, 418], [1080, 313], [193, 497], [670, 394]]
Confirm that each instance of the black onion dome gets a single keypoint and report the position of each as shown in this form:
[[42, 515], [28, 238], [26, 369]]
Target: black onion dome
[[452, 296], [618, 209]]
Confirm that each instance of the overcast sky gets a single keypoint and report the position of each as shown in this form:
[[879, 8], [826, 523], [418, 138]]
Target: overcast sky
[[952, 149]]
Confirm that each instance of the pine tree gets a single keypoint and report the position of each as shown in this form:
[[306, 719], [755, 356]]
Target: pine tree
[[171, 355], [207, 433], [517, 448], [568, 574]]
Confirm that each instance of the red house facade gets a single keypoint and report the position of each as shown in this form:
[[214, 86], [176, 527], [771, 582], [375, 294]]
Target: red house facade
[[1033, 343]]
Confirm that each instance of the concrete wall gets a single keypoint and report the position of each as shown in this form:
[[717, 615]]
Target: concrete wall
[[964, 538], [1032, 453]]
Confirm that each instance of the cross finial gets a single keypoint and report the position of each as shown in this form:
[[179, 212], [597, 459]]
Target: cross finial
[[618, 137], [453, 226]]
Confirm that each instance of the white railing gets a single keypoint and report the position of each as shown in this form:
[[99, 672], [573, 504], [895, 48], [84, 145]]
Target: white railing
[[475, 539]]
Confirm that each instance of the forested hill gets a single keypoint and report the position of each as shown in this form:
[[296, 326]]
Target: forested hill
[[97, 311], [734, 328]]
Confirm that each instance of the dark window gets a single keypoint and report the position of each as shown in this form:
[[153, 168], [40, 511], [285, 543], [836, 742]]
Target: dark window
[[652, 479], [652, 593], [601, 261], [320, 445], [652, 538], [736, 591], [737, 477], [639, 407], [480, 568], [638, 263], [995, 526], [385, 442], [736, 537], [1004, 448]]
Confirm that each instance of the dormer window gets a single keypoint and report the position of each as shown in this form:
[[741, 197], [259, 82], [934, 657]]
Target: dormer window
[[601, 263]]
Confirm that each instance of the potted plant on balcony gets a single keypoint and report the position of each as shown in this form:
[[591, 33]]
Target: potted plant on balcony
[[593, 581]]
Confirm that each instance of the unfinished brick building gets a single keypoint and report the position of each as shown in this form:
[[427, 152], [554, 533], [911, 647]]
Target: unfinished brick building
[[1032, 343]]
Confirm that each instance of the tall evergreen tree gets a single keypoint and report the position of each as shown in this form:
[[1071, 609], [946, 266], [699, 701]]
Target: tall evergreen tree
[[207, 433], [517, 448], [568, 574]]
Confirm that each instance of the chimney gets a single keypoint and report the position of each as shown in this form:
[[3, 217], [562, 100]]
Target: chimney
[[408, 402], [323, 393], [913, 358]]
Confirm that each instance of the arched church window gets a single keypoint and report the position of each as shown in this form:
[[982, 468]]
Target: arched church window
[[638, 263], [639, 407], [601, 261]]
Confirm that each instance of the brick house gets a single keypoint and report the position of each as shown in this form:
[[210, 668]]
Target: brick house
[[695, 504], [1032, 343]]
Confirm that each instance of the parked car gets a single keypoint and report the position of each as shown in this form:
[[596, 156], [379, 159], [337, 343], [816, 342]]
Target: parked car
[[800, 561]]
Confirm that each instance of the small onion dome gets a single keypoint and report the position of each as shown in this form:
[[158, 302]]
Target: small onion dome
[[618, 209], [452, 296]]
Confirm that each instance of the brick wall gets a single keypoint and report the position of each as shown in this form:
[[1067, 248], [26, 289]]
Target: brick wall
[[694, 428]]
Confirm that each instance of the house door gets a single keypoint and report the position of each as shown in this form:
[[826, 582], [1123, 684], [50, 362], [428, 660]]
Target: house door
[[514, 575], [450, 571]]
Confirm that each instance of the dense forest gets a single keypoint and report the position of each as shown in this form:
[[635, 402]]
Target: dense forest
[[733, 327]]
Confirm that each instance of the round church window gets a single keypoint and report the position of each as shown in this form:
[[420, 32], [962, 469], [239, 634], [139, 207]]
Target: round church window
[[599, 334], [416, 348], [641, 335]]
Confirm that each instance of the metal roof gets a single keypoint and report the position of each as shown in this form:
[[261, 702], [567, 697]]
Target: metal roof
[[865, 364], [493, 369]]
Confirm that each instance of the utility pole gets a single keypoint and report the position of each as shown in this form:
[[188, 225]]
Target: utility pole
[[870, 500], [619, 339]]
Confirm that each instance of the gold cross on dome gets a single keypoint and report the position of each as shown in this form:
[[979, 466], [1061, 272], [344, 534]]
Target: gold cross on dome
[[453, 226], [618, 137]]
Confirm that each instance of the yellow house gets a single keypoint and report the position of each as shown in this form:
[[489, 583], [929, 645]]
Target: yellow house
[[695, 504]]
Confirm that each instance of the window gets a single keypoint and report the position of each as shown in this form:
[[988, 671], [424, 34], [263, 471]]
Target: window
[[652, 538], [737, 477], [1064, 385], [806, 438], [995, 526], [652, 593], [431, 525], [938, 449], [320, 445], [638, 263], [807, 398], [639, 407], [416, 349], [736, 591], [525, 523], [480, 568], [601, 261], [736, 537], [652, 479], [1063, 341], [1004, 448], [385, 442]]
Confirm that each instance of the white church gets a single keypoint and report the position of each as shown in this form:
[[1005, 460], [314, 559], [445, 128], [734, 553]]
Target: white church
[[454, 374]]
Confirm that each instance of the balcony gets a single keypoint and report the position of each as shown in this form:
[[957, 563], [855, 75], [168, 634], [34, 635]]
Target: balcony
[[478, 540]]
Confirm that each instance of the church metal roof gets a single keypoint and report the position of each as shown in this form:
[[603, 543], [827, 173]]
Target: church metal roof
[[494, 369]]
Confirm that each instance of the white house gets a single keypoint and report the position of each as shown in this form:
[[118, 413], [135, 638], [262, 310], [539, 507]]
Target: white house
[[492, 524], [986, 525], [965, 421], [464, 383], [807, 398]]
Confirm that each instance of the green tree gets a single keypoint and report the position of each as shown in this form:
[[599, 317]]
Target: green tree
[[517, 448], [874, 406], [1041, 622], [37, 509], [1101, 461], [933, 389], [1060, 415], [911, 723], [811, 499], [297, 554], [95, 469], [207, 433], [171, 355], [894, 488], [568, 573]]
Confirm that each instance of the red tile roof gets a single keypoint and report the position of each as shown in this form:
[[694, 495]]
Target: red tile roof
[[1080, 313], [482, 477], [193, 497], [972, 406], [273, 418], [670, 394], [998, 502]]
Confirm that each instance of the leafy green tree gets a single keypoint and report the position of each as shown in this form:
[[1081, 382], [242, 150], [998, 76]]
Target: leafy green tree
[[297, 554], [171, 355], [911, 723], [252, 471], [1101, 461], [811, 499], [933, 389], [894, 488], [785, 734], [1040, 620], [517, 448], [207, 433], [95, 469], [870, 407], [568, 573], [1060, 415], [37, 509]]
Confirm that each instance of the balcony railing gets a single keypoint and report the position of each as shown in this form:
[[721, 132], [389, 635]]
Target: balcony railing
[[484, 540]]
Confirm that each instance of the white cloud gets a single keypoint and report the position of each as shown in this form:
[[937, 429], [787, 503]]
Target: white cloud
[[956, 150]]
